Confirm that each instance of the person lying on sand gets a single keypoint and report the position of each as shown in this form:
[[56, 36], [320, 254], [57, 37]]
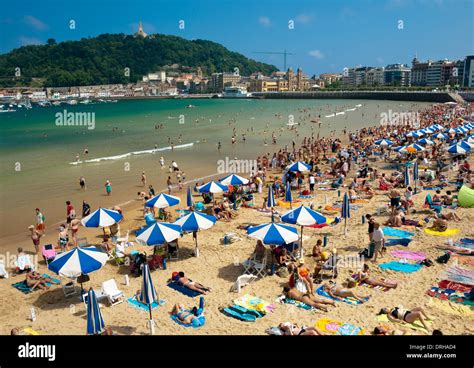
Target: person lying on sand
[[339, 292], [458, 250], [291, 329], [449, 216], [364, 276], [33, 281], [384, 330], [190, 284], [185, 316], [400, 314], [307, 298]]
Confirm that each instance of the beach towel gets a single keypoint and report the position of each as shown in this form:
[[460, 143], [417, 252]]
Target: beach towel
[[406, 254], [467, 241], [305, 196], [415, 326], [390, 231], [251, 302], [30, 331], [183, 289], [464, 245], [317, 226], [400, 267], [241, 313], [447, 232], [296, 303], [144, 307], [452, 308], [355, 277], [432, 188], [463, 260], [331, 326], [397, 241], [459, 274], [25, 289], [201, 319], [451, 295], [446, 284], [320, 291]]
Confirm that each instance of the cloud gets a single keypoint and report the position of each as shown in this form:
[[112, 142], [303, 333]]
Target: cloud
[[24, 40], [304, 18], [264, 21], [316, 54], [35, 23]]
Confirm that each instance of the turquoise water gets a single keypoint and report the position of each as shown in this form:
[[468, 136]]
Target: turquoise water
[[38, 158]]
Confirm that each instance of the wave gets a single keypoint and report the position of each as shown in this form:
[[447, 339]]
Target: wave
[[354, 109], [330, 116], [134, 153], [340, 113], [359, 105]]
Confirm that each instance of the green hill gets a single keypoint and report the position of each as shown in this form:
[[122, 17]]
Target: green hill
[[103, 59]]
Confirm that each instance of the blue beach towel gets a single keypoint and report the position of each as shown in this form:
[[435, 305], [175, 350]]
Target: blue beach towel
[[25, 289], [352, 301], [397, 241], [298, 304], [201, 319], [183, 289], [400, 267], [136, 304], [390, 231], [242, 313]]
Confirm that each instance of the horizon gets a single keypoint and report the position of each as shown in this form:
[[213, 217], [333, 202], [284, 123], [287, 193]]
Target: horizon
[[400, 27]]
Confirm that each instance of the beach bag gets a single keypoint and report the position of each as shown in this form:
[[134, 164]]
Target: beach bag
[[444, 258], [426, 262]]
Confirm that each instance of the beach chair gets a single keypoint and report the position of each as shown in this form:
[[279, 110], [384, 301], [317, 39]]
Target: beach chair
[[256, 267], [98, 294], [23, 262], [48, 252], [172, 251], [230, 238], [123, 239], [3, 271], [331, 266], [69, 289], [111, 291], [241, 281], [82, 242], [118, 254]]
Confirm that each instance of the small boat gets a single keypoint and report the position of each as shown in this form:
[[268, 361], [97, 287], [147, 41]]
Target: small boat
[[190, 106], [72, 102]]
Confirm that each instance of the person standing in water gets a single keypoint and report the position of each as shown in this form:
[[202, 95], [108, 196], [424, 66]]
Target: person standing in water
[[39, 221], [144, 179], [108, 187], [162, 162], [82, 183], [169, 184]]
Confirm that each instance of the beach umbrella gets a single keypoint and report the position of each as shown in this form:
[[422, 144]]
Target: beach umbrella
[[414, 148], [440, 136], [162, 200], [427, 130], [469, 139], [189, 198], [102, 218], [346, 211], [298, 166], [450, 131], [413, 135], [420, 132], [212, 187], [148, 294], [303, 216], [95, 322], [425, 141], [288, 195], [78, 261], [194, 222], [159, 233], [384, 142], [274, 234], [415, 173], [234, 179], [271, 200], [461, 130], [459, 148]]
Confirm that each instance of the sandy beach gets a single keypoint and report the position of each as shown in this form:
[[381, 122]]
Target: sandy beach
[[219, 265]]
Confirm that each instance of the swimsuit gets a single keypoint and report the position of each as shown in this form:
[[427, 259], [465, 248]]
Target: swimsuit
[[399, 313]]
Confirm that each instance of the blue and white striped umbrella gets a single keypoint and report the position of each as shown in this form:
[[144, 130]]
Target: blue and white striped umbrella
[[415, 146], [162, 200], [414, 135], [298, 166], [346, 208], [450, 131], [303, 216], [102, 218], [470, 139], [459, 148], [425, 141], [234, 179], [148, 294], [427, 130], [159, 233], [406, 177], [274, 234], [461, 130], [288, 195], [415, 171], [384, 142], [189, 198], [212, 187], [420, 132], [440, 136], [196, 221], [271, 197], [78, 261], [95, 322]]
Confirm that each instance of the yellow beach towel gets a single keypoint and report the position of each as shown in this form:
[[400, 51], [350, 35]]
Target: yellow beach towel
[[416, 326], [284, 204], [30, 331], [448, 232], [452, 308], [255, 303], [328, 325]]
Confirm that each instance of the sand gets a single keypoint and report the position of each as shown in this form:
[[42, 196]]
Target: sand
[[218, 266]]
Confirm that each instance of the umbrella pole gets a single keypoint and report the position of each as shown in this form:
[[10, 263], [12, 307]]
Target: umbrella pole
[[301, 243], [196, 249], [345, 226], [152, 326]]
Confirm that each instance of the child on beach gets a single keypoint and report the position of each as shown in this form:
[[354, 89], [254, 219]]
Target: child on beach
[[108, 187]]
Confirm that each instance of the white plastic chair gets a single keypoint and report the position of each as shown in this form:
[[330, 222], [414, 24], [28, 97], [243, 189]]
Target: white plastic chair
[[111, 291], [123, 239], [241, 281], [82, 242]]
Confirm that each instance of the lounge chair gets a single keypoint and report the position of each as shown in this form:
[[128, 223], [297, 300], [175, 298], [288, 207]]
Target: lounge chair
[[3, 271], [48, 252], [69, 289], [82, 242], [241, 281], [23, 262], [255, 267], [111, 291]]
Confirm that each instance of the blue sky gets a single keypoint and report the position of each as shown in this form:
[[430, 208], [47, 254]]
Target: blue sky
[[327, 35]]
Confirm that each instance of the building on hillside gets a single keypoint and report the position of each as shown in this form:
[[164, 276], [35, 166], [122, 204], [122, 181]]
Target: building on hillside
[[330, 78], [140, 32]]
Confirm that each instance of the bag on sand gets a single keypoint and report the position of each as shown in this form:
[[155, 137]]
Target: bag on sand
[[444, 258]]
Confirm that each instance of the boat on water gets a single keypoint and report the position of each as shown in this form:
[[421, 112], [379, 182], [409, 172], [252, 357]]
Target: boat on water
[[236, 92], [85, 102], [72, 102], [57, 103]]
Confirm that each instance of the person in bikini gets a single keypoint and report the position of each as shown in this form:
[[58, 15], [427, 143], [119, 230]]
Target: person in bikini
[[290, 329], [400, 314], [307, 298], [185, 316], [190, 284], [364, 276], [340, 293]]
